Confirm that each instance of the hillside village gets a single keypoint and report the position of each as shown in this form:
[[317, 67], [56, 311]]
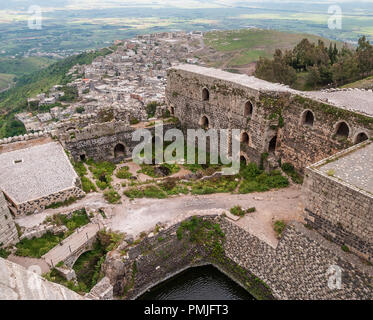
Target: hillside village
[[130, 78]]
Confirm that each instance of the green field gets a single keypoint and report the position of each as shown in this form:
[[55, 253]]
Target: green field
[[6, 80], [247, 45]]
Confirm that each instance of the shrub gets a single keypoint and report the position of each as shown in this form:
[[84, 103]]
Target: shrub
[[133, 193]]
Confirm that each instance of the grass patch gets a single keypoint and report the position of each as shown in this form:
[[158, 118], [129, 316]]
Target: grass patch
[[78, 219], [279, 227], [257, 180], [102, 172], [4, 253], [88, 185], [111, 196], [238, 211], [223, 184], [37, 247], [123, 173]]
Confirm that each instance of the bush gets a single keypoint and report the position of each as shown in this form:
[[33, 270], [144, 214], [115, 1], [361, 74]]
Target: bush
[[133, 193], [4, 253]]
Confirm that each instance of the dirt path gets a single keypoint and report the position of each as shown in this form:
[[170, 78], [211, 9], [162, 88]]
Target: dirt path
[[133, 217]]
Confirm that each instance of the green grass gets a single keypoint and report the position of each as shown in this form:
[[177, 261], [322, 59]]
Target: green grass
[[223, 184], [279, 227], [5, 80], [88, 185], [123, 173], [78, 219], [256, 180], [36, 247], [4, 253], [247, 45], [111, 196], [102, 172], [238, 211]]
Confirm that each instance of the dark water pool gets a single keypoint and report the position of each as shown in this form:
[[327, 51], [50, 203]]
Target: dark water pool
[[200, 283]]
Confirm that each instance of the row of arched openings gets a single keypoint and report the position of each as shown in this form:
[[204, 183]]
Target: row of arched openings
[[342, 130]]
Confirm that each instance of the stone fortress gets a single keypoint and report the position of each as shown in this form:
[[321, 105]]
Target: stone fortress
[[325, 135], [283, 125]]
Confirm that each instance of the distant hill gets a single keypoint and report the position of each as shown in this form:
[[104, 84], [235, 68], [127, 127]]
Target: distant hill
[[15, 100], [11, 69], [238, 49]]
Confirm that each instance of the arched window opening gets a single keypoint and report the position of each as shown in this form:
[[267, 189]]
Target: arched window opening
[[245, 138], [343, 131], [205, 95], [308, 118], [272, 144], [248, 109], [361, 137], [172, 111], [204, 122], [243, 161], [82, 157], [119, 150]]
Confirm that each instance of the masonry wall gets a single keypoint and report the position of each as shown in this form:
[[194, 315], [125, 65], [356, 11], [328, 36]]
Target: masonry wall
[[274, 113], [297, 269], [98, 141], [8, 231], [340, 212], [38, 205]]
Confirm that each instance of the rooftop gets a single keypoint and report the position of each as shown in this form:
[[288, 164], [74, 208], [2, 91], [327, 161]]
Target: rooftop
[[32, 173], [353, 166], [355, 100]]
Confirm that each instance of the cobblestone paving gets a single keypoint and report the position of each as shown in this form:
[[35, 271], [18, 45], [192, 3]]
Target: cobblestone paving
[[36, 172], [355, 168]]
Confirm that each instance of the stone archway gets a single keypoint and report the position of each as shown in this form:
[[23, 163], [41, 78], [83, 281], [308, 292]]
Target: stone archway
[[361, 137], [205, 94], [272, 144], [308, 118], [342, 130], [119, 150], [204, 122]]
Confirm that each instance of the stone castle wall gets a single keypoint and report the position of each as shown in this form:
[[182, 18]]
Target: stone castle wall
[[339, 211], [39, 205], [8, 231], [299, 268], [274, 114], [99, 141]]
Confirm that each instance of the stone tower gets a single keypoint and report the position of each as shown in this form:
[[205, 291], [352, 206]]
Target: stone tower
[[8, 231]]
